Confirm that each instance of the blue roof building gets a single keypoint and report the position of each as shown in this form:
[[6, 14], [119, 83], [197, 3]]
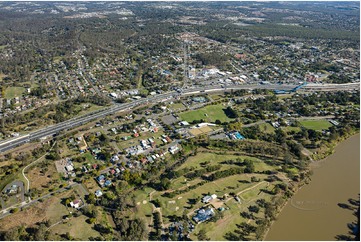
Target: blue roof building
[[203, 215], [107, 183], [100, 178], [238, 135]]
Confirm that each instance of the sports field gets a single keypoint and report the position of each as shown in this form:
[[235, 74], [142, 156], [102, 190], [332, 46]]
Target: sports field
[[202, 130], [316, 124], [209, 114], [12, 92]]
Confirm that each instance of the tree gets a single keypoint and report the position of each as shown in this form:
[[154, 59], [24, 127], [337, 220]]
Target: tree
[[231, 236], [67, 202], [231, 113], [103, 138], [14, 210], [202, 235], [165, 183], [12, 235], [67, 236], [253, 209], [90, 211], [91, 220], [288, 158], [102, 229], [249, 166], [254, 179], [41, 233], [90, 198], [156, 203], [280, 136]]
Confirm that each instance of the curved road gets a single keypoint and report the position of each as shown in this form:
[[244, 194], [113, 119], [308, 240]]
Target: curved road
[[32, 163]]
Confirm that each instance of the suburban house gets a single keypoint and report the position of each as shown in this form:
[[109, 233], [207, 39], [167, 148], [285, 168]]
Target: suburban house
[[101, 180], [69, 167], [208, 198], [173, 149], [12, 190], [96, 151], [98, 193], [82, 145], [75, 204], [184, 123], [85, 169], [235, 135], [107, 183], [203, 215], [114, 158]]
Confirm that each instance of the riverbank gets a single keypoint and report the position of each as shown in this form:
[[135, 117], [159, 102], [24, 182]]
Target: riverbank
[[318, 198], [282, 207], [330, 148]]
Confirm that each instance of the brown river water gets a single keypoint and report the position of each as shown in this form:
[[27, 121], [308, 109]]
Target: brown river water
[[313, 213]]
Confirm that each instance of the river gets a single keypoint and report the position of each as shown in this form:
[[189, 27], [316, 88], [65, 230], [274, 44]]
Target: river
[[313, 212]]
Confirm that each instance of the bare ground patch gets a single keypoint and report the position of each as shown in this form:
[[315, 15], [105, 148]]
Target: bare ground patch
[[28, 217], [40, 178]]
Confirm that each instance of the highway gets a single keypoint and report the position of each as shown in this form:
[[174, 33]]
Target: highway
[[78, 121]]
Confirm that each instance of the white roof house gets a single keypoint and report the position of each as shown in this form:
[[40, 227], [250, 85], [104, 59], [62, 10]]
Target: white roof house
[[75, 204]]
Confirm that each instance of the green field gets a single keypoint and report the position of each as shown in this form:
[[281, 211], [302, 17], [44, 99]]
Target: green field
[[77, 228], [56, 210], [176, 106], [179, 203], [213, 159], [316, 124], [12, 92], [254, 192], [209, 114], [284, 96], [144, 207], [195, 161], [89, 158], [91, 108], [216, 97], [266, 127], [232, 217], [188, 202], [290, 128]]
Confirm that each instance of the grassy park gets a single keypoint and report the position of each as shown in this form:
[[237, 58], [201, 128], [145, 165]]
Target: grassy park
[[176, 106], [77, 228], [188, 201], [209, 114], [266, 127], [316, 124], [208, 159], [12, 92]]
